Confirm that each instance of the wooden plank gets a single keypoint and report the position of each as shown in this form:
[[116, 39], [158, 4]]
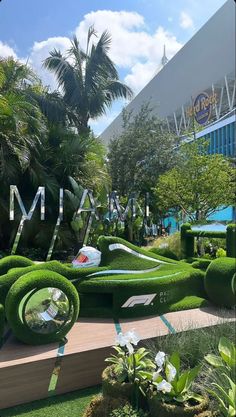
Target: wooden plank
[[89, 334], [147, 328], [15, 353], [24, 383], [82, 370]]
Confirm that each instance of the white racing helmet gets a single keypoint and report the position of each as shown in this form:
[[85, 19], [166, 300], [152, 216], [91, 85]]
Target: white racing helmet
[[87, 257]]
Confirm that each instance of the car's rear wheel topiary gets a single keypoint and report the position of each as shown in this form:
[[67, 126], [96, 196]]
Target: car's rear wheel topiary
[[41, 307], [220, 282]]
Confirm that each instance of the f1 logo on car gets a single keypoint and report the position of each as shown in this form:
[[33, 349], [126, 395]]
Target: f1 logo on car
[[145, 299]]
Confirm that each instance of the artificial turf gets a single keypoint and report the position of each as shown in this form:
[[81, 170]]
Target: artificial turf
[[72, 404]]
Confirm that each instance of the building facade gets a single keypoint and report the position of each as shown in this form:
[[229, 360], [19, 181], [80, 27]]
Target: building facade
[[194, 93], [201, 76]]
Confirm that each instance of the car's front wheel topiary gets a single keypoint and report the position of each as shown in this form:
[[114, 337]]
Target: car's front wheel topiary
[[220, 282], [41, 307]]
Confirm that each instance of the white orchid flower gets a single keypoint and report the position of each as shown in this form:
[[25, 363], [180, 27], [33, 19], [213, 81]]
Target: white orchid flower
[[156, 374], [164, 386], [128, 339], [160, 359], [121, 340], [132, 337], [170, 372]]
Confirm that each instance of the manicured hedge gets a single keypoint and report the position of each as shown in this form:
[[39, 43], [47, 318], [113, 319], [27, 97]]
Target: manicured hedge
[[166, 252], [205, 233], [231, 240], [109, 257], [187, 242], [104, 295], [169, 285], [13, 261], [2, 322], [220, 282], [25, 284], [201, 263]]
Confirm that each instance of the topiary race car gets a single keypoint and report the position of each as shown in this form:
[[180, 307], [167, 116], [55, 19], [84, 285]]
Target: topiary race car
[[42, 301]]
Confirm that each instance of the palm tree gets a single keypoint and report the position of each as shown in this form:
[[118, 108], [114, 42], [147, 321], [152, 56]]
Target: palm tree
[[88, 79], [22, 124]]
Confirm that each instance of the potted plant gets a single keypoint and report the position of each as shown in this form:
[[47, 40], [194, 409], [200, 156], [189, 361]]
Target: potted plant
[[122, 378], [169, 389]]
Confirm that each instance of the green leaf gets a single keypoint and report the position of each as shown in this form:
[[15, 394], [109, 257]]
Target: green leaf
[[214, 360], [225, 396], [191, 376], [221, 402], [146, 375], [182, 382], [175, 361], [232, 411], [196, 397], [227, 351]]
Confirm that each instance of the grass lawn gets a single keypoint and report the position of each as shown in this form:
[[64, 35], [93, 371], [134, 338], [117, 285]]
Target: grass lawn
[[67, 405]]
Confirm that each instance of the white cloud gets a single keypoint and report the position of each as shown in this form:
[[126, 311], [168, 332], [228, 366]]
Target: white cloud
[[129, 41], [6, 51], [132, 47], [40, 51], [186, 22], [142, 72]]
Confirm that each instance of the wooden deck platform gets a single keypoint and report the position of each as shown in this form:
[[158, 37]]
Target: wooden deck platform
[[29, 373]]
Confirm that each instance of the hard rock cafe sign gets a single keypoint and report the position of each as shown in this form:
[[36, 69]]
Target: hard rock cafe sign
[[201, 107]]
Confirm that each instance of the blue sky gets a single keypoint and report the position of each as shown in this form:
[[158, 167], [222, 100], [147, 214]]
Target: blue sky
[[29, 29]]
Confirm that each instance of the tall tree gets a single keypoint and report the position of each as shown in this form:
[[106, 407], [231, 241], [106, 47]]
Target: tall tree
[[199, 184], [141, 153], [22, 123], [88, 79]]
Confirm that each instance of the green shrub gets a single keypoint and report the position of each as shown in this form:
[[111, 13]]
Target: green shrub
[[201, 263], [37, 280], [128, 411], [103, 406], [166, 252], [231, 240], [220, 282], [2, 321], [13, 261], [212, 244], [207, 256], [220, 253]]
